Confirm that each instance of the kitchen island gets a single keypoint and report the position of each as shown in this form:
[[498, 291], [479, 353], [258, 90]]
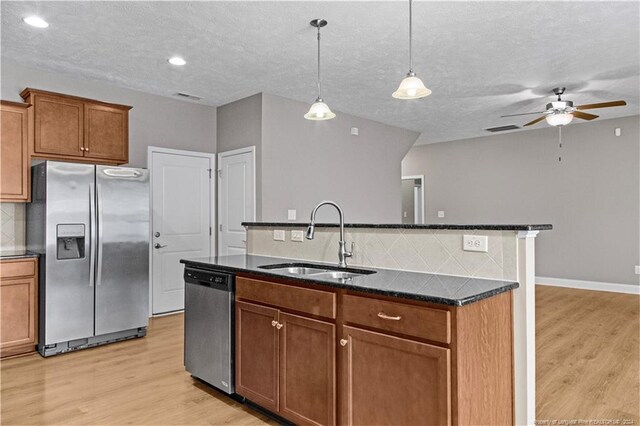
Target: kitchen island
[[317, 344]]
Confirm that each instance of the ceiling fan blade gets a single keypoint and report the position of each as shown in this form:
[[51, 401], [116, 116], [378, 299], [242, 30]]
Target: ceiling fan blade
[[584, 115], [602, 105], [524, 113], [537, 120]]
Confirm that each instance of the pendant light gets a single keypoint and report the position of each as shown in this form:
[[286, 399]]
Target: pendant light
[[319, 110], [411, 87]]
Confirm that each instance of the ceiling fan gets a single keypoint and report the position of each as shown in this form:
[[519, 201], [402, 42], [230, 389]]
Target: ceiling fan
[[560, 113]]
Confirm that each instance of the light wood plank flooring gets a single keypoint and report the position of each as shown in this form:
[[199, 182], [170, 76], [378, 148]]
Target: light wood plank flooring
[[587, 350]]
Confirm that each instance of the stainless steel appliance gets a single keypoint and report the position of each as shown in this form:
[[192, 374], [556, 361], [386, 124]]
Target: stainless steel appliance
[[90, 224], [209, 328]]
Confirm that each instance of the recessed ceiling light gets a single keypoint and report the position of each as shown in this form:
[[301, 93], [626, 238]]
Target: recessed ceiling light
[[177, 60], [36, 21]]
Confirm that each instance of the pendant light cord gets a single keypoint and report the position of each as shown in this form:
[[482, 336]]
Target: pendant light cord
[[319, 87], [560, 143], [410, 36]]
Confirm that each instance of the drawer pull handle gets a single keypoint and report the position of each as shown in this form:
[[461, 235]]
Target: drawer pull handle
[[274, 323], [388, 317]]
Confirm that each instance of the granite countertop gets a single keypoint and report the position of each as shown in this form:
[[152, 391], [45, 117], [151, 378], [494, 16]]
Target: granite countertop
[[17, 254], [442, 289], [485, 227]]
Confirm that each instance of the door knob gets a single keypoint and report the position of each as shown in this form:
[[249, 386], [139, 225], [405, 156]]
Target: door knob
[[157, 234], [158, 246]]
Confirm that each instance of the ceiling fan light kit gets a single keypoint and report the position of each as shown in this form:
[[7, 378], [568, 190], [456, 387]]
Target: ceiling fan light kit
[[411, 87], [319, 109]]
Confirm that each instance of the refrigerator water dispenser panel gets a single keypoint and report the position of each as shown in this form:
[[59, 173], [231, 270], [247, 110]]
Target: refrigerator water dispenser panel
[[70, 241]]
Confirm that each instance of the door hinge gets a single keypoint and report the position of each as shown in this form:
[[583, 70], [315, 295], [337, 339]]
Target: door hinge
[[210, 233], [220, 173], [220, 228], [209, 170]]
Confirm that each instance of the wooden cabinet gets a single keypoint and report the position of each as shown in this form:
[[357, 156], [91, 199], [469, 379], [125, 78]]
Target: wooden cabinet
[[18, 306], [78, 129], [308, 354], [14, 151], [394, 381], [285, 362]]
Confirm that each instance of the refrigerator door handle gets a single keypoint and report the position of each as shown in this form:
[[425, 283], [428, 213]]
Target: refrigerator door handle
[[92, 237], [99, 215]]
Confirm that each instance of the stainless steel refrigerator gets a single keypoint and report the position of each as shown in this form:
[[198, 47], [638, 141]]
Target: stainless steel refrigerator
[[90, 224]]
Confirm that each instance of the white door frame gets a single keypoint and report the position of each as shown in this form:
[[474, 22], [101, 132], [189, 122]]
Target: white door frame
[[212, 209], [245, 150], [421, 177]]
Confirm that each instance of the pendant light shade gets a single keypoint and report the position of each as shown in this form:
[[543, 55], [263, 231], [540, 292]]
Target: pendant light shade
[[411, 87], [319, 109], [559, 119]]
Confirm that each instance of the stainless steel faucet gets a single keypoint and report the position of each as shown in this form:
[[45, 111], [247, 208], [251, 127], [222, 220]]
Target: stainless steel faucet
[[342, 251]]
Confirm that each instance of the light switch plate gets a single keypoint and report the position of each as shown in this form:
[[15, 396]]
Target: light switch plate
[[475, 243], [440, 214], [297, 236], [291, 214], [278, 235], [637, 269]]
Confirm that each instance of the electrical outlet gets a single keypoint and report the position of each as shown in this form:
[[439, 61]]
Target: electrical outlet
[[440, 214], [475, 243], [291, 214], [297, 236], [637, 269], [278, 235]]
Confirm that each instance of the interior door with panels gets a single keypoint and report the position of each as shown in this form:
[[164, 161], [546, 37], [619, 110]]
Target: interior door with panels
[[181, 214], [59, 126]]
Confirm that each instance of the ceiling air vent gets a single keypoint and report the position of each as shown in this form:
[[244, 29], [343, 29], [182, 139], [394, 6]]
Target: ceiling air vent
[[502, 128], [187, 96]]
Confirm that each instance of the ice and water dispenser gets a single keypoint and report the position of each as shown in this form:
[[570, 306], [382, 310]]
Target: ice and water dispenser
[[70, 239]]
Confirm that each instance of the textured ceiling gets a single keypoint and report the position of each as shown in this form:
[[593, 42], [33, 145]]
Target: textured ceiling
[[481, 59]]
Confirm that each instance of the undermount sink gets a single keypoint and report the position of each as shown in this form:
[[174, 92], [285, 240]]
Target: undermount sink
[[317, 271]]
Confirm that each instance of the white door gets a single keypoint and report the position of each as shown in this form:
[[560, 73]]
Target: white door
[[181, 196], [237, 199]]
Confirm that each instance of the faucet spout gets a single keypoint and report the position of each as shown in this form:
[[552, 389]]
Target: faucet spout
[[343, 253]]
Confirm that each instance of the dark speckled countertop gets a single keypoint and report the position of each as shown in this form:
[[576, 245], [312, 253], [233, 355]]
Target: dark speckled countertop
[[484, 227], [17, 254], [434, 288]]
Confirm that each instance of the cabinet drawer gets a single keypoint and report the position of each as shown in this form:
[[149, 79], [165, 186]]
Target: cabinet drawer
[[17, 268], [411, 320], [307, 300]]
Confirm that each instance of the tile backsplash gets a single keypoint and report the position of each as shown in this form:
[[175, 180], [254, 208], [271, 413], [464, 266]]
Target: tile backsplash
[[12, 226], [420, 250]]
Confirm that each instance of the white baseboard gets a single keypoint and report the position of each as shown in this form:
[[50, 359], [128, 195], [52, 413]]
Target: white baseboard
[[589, 285]]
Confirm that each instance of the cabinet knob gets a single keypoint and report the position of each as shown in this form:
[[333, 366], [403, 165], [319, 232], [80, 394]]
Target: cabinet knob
[[279, 326], [343, 342], [274, 323], [82, 148], [86, 149]]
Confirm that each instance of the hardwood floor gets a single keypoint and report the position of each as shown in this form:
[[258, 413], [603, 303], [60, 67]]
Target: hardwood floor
[[139, 381], [587, 355], [587, 351]]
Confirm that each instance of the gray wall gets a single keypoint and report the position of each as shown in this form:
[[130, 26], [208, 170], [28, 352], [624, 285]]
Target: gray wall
[[154, 120], [305, 162], [240, 126], [591, 197]]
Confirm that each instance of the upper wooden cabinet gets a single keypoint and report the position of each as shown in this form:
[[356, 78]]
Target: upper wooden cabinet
[[14, 152], [78, 129]]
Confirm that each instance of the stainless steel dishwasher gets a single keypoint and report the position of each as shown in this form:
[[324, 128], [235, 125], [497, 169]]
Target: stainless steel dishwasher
[[209, 327]]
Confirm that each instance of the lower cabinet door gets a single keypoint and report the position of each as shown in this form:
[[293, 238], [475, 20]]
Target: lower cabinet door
[[257, 354], [18, 315], [388, 380], [307, 370]]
